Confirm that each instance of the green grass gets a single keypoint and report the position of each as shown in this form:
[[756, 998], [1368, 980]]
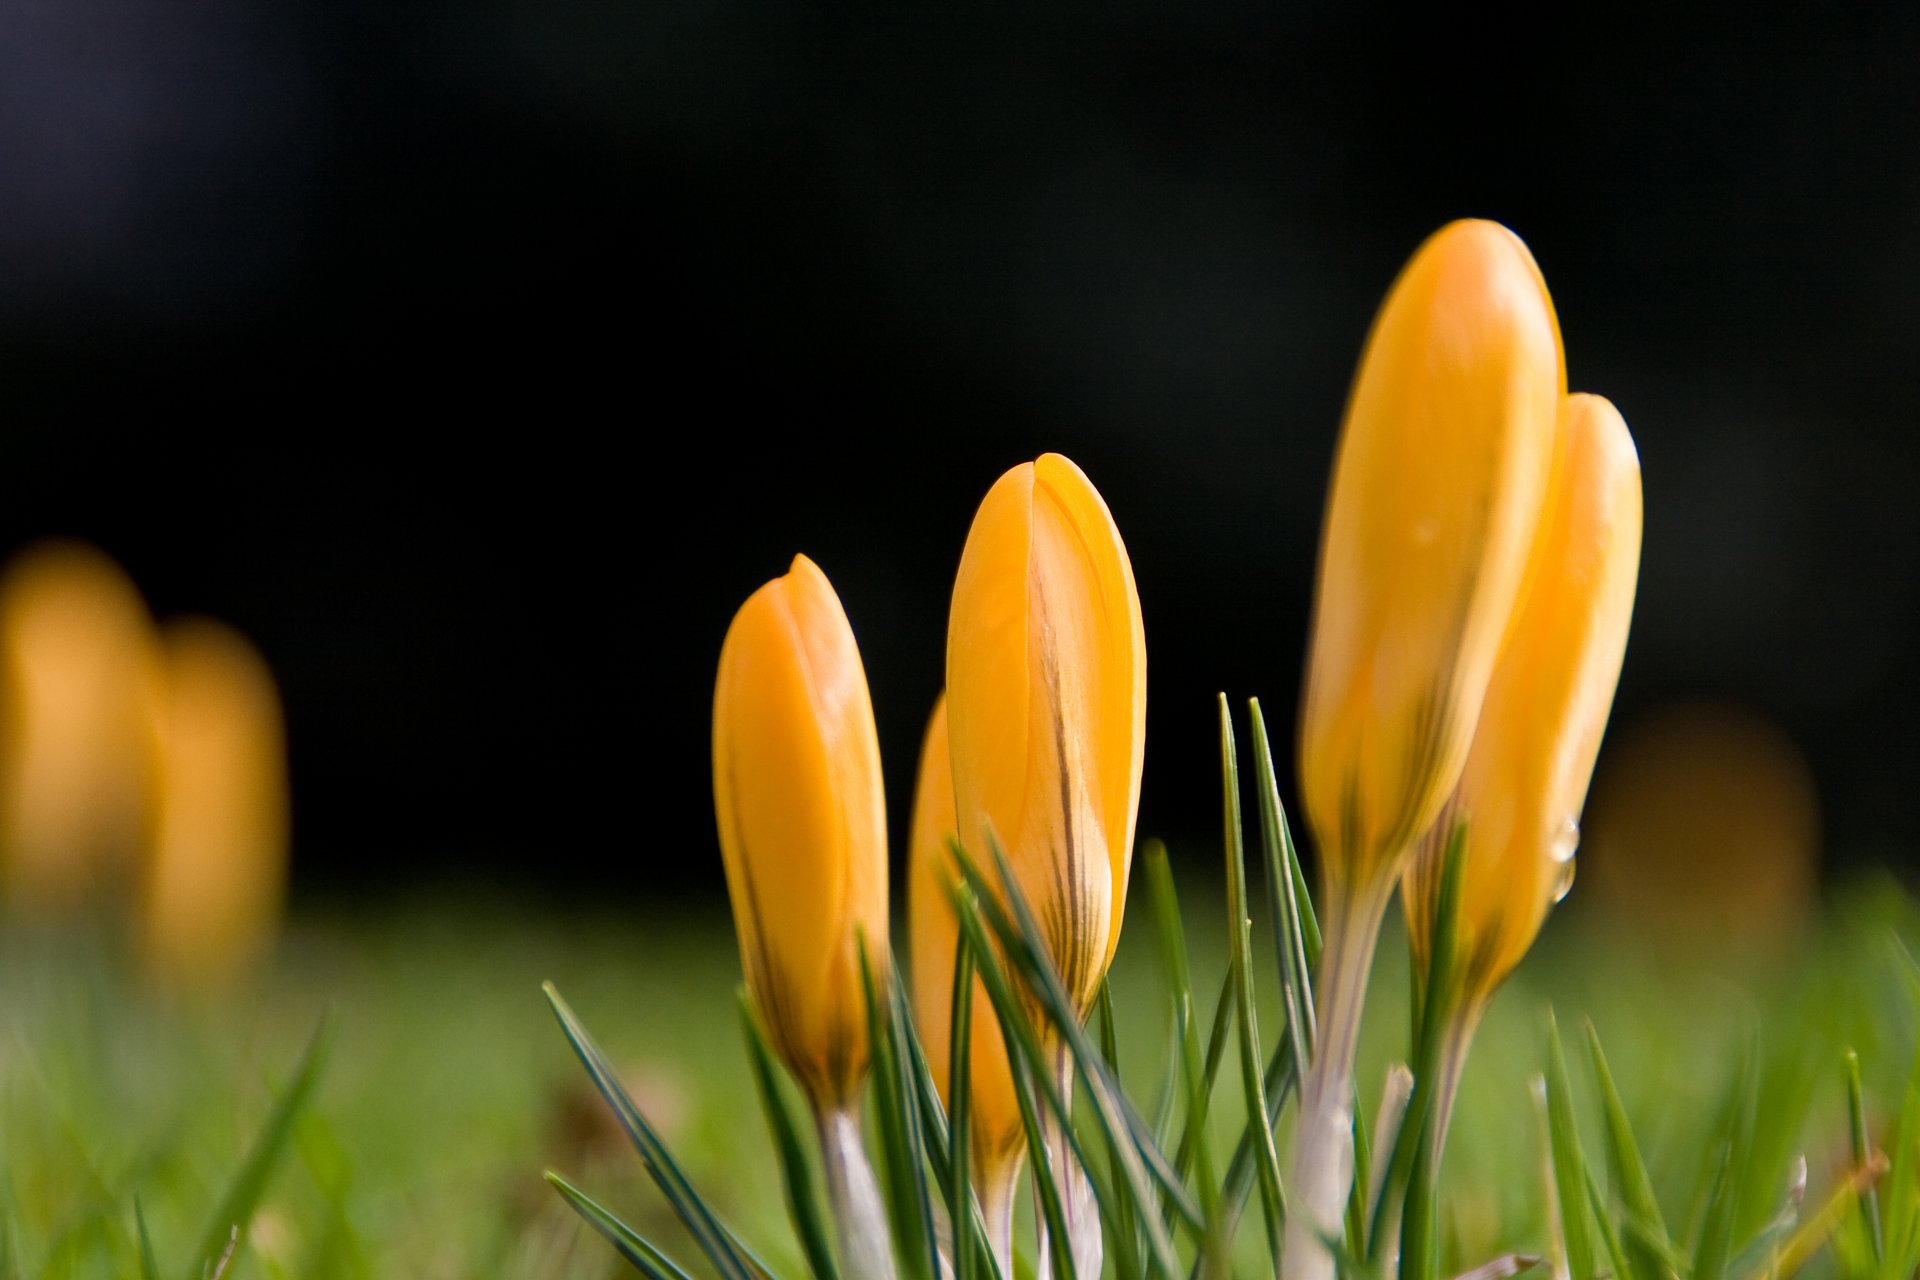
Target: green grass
[[449, 1091]]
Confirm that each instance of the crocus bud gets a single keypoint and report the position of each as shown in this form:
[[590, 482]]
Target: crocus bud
[[802, 818], [216, 874], [994, 1106], [77, 656], [1526, 776], [1046, 697], [1443, 466]]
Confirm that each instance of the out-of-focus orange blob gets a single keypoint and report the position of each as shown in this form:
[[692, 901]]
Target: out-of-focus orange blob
[[1704, 825], [77, 666], [217, 870]]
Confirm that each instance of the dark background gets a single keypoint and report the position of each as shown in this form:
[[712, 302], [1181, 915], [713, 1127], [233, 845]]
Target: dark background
[[477, 357]]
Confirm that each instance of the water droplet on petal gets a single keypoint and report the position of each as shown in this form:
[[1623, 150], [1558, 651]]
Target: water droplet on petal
[[1564, 881], [1565, 842]]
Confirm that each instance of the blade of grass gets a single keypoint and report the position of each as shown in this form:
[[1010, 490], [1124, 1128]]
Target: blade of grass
[[803, 1198], [1029, 1082], [1286, 896], [1624, 1266], [249, 1183], [714, 1239], [897, 1107], [1142, 1163], [1196, 1147], [1032, 1078], [1126, 1227], [1570, 1173], [1266, 1156], [632, 1246], [1862, 1152], [149, 1265], [1629, 1169]]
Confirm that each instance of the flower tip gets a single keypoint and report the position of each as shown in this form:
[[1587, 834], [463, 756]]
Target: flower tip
[[1595, 415]]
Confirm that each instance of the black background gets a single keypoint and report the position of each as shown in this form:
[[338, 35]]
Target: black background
[[477, 358]]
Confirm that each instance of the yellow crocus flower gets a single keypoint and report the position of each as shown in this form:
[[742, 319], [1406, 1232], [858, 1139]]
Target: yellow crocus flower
[[1526, 776], [802, 817], [994, 1115], [77, 657], [1444, 463], [1046, 685], [216, 874], [1446, 456]]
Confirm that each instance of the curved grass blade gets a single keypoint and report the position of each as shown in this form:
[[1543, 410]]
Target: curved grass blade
[[1569, 1162], [149, 1265], [714, 1239], [1624, 1266], [236, 1208], [1292, 911], [1142, 1163], [1126, 1227], [803, 1198], [1280, 1080], [959, 1089], [1196, 1149], [1239, 963], [1862, 1152], [896, 1105], [631, 1245], [1647, 1229], [1031, 1078]]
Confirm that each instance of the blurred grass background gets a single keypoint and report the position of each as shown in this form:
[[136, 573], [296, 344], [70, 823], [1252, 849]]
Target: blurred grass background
[[449, 1089]]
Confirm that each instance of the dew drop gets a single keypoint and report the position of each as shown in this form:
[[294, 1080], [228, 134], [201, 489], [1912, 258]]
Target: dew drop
[[1563, 881], [1565, 842]]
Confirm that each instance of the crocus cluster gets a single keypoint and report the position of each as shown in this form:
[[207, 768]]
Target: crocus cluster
[[1034, 752], [142, 768], [1477, 572]]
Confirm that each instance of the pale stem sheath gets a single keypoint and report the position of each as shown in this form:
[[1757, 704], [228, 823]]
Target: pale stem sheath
[[1076, 1190], [859, 1217], [996, 1191], [1322, 1166]]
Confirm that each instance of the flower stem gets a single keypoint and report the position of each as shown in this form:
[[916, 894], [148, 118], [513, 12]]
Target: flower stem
[[859, 1217], [1322, 1165], [996, 1192], [1082, 1214]]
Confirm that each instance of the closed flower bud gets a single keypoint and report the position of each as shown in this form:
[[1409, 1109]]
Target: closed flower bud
[[77, 662], [797, 794], [216, 875], [1526, 776], [1444, 462], [1046, 698], [994, 1106]]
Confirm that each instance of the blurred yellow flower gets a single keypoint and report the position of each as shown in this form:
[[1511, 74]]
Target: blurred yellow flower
[[802, 817], [216, 874], [1526, 775], [995, 1108], [1444, 463], [1046, 695], [77, 657]]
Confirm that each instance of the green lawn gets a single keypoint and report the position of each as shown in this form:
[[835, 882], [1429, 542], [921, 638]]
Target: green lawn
[[449, 1089]]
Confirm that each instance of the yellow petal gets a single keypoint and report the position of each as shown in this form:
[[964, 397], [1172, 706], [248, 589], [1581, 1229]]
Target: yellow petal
[[1046, 681], [77, 654], [933, 932], [1445, 458], [216, 875], [1525, 779], [802, 817]]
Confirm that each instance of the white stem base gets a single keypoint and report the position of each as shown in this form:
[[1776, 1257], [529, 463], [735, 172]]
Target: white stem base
[[1321, 1175], [1078, 1206], [860, 1219]]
